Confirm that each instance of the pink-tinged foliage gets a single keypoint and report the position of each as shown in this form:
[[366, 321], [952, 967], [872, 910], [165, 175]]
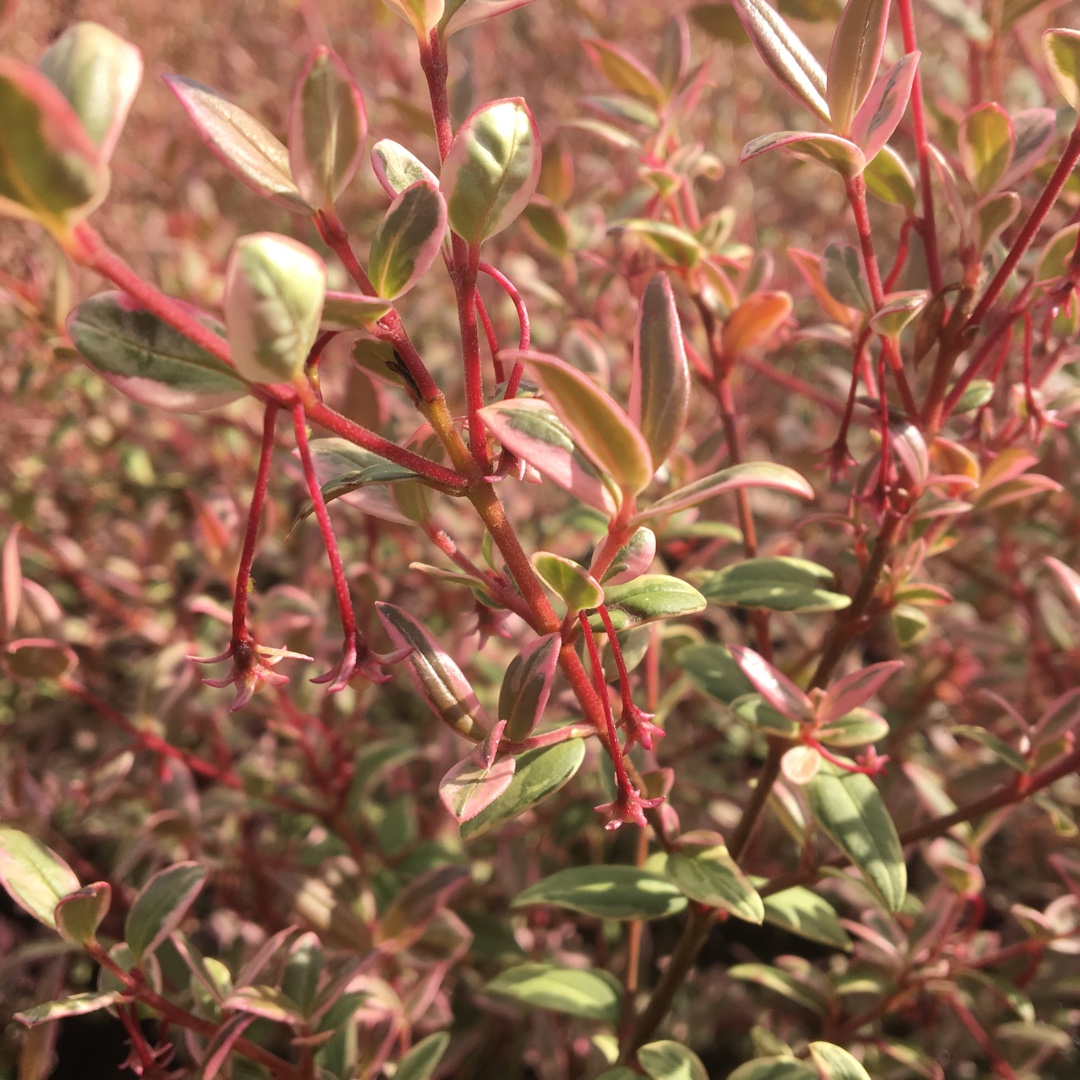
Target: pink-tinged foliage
[[469, 788], [852, 690], [884, 107], [774, 686]]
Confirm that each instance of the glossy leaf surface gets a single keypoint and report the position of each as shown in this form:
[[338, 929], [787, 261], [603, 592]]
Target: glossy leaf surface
[[407, 240]]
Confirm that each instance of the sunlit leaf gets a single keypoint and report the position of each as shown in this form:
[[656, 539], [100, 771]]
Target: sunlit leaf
[[667, 1060], [708, 874], [569, 580], [75, 1005], [526, 686], [421, 1061], [878, 116], [776, 583], [623, 70], [648, 598], [853, 61], [407, 240], [835, 1063], [841, 155], [1061, 47], [397, 168], [589, 993], [985, 140], [35, 877], [606, 892]]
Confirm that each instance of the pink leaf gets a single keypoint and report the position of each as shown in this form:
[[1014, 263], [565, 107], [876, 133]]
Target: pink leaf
[[884, 107], [776, 688], [852, 690], [468, 788]]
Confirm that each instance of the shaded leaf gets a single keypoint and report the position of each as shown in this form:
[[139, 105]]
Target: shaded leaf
[[79, 914], [327, 128], [755, 321], [423, 15], [468, 787], [784, 983], [714, 671], [421, 1061], [854, 58], [539, 773], [462, 13], [776, 583], [75, 1005], [606, 892], [491, 169], [854, 689], [850, 810], [775, 1068], [35, 877], [709, 875], [841, 155], [584, 992], [526, 686], [985, 141], [667, 1060], [835, 1063], [266, 1001], [352, 311], [660, 380], [161, 904], [624, 71], [407, 240], [889, 179], [438, 680], [147, 359], [242, 144], [409, 914]]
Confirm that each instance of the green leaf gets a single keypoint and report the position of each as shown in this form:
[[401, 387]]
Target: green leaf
[[530, 430], [856, 728], [242, 144], [993, 215], [584, 992], [624, 71], [423, 15], [850, 810], [889, 179], [854, 59], [35, 877], [784, 54], [667, 1060], [596, 422], [407, 240], [397, 168], [133, 350], [266, 1001], [75, 1005], [713, 670], [492, 169], [672, 243], [801, 911], [632, 559], [900, 308], [994, 743], [776, 583], [540, 773], [835, 1063], [756, 712], [1061, 47], [606, 892], [787, 985], [274, 289], [751, 474], [351, 311], [660, 381], [840, 155], [79, 914], [986, 143], [300, 977], [161, 905], [51, 170], [526, 686], [438, 680], [709, 875], [99, 74], [775, 1068], [420, 1062], [646, 599], [327, 128], [571, 582]]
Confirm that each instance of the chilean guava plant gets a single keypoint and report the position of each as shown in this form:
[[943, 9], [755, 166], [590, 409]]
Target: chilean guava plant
[[549, 550]]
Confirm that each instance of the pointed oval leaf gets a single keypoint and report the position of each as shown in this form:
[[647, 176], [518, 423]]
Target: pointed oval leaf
[[801, 911], [986, 142], [854, 59], [632, 559], [492, 169], [775, 1068], [784, 54], [884, 107], [890, 180], [147, 359], [755, 321], [35, 877], [1034, 131], [327, 128], [891, 318], [646, 599], [274, 290], [540, 773], [796, 988], [673, 54], [709, 875], [531, 431], [850, 810], [713, 670], [526, 686], [462, 13], [267, 1002], [50, 169], [853, 690], [835, 1063], [423, 15], [994, 215], [585, 992], [660, 381], [776, 583], [1061, 47], [841, 155], [774, 686], [75, 1005], [672, 243], [856, 728], [667, 1060], [99, 74], [351, 311], [750, 474], [568, 580], [438, 680], [161, 905], [79, 914], [421, 1061], [596, 422], [397, 168], [468, 788], [624, 71], [407, 240], [606, 892], [243, 145]]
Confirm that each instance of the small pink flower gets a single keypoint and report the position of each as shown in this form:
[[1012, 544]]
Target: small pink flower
[[628, 805], [358, 659], [251, 665], [639, 727]]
